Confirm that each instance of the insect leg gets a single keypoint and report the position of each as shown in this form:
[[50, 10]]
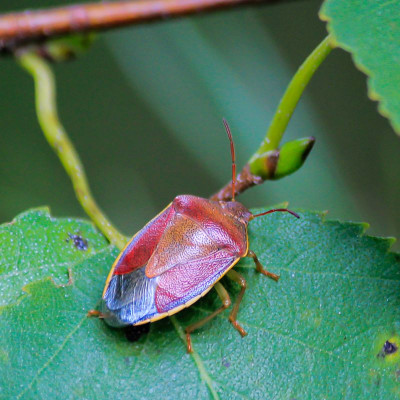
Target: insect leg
[[226, 302], [95, 313], [232, 316], [260, 268]]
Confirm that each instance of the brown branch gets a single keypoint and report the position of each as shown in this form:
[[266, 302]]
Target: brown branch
[[20, 28], [244, 180]]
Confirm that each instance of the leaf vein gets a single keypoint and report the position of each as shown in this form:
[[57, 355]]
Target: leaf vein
[[300, 342], [205, 377], [49, 361]]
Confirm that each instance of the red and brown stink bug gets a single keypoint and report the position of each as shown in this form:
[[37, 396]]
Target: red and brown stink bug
[[178, 257]]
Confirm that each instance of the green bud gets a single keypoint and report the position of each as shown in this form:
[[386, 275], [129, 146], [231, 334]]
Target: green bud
[[292, 156], [276, 164]]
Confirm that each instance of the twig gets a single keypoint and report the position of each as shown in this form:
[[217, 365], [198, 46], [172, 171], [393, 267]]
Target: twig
[[266, 162], [244, 181], [57, 137], [21, 28]]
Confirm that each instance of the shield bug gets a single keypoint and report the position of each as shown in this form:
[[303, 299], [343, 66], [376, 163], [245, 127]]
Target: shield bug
[[178, 257]]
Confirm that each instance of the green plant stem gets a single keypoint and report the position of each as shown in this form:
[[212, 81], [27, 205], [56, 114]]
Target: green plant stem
[[268, 162], [291, 97], [46, 109]]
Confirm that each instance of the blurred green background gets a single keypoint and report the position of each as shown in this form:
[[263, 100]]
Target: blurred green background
[[144, 108]]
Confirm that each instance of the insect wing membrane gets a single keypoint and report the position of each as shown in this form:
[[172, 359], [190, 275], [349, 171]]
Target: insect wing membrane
[[130, 298]]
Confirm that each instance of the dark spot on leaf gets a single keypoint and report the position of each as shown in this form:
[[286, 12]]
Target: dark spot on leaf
[[225, 363], [388, 348], [79, 242], [398, 374], [134, 333]]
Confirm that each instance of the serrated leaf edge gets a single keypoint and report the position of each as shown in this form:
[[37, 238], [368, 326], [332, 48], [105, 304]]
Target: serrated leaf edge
[[372, 94]]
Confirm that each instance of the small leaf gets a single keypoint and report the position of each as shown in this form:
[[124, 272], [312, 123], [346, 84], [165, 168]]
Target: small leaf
[[370, 30], [328, 329]]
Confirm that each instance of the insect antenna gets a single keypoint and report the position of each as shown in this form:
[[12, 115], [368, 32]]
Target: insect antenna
[[275, 210], [228, 131]]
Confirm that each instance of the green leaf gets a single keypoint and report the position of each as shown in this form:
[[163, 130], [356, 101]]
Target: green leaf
[[34, 246], [319, 332], [370, 31]]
